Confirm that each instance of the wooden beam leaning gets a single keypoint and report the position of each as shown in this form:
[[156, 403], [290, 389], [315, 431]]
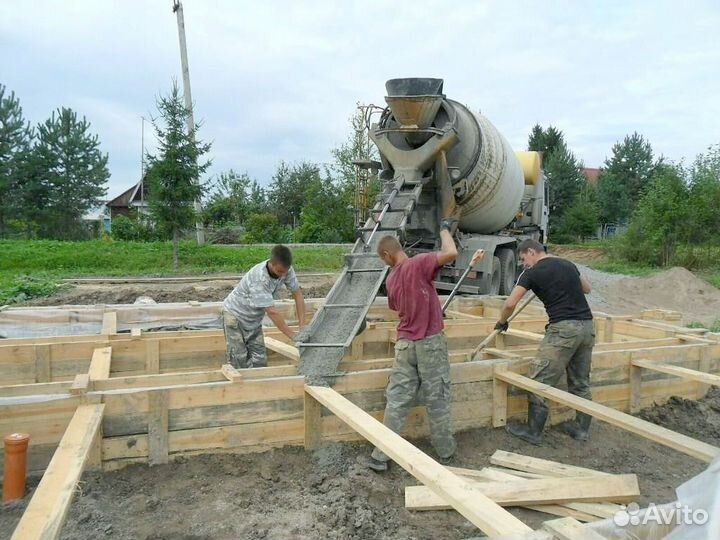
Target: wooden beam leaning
[[524, 492], [100, 364], [700, 450], [285, 349], [458, 492], [45, 515]]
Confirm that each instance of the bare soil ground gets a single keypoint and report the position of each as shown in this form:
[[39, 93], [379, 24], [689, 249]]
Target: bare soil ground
[[289, 493], [314, 285]]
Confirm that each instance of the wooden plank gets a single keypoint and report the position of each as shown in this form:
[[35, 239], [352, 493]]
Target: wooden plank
[[109, 323], [313, 422], [522, 334], [35, 389], [80, 384], [158, 427], [43, 364], [499, 411], [617, 488], [582, 511], [152, 356], [677, 441], [535, 465], [158, 380], [231, 374], [100, 364], [458, 492], [47, 510], [288, 351], [678, 371], [570, 529]]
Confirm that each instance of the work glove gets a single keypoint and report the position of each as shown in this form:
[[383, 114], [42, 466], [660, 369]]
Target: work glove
[[502, 326], [449, 224]]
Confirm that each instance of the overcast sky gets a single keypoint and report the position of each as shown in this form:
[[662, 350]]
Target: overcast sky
[[278, 80]]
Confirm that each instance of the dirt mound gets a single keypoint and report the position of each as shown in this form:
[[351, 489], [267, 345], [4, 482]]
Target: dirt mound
[[677, 289], [697, 419]]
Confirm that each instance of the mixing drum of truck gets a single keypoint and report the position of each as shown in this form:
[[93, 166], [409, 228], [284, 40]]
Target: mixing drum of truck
[[427, 142]]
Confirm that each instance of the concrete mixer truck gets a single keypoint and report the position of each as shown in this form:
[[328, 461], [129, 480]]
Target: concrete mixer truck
[[432, 150], [501, 193]]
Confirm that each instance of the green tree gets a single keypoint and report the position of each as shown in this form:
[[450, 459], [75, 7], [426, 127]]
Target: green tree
[[565, 180], [704, 198], [229, 202], [174, 173], [659, 218], [15, 144], [257, 199], [624, 178], [545, 140], [286, 195], [326, 217], [71, 173], [582, 219], [262, 228]]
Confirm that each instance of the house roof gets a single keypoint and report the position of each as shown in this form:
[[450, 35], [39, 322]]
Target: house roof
[[127, 197], [592, 175]]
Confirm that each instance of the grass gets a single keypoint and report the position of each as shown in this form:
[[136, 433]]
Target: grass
[[714, 327], [30, 269]]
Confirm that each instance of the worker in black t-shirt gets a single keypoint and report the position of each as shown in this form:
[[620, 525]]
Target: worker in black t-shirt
[[569, 336]]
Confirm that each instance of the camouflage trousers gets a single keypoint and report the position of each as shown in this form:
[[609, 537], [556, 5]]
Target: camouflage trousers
[[244, 348], [421, 370], [566, 349]]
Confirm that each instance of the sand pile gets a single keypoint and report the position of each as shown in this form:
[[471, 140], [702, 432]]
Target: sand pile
[[677, 289]]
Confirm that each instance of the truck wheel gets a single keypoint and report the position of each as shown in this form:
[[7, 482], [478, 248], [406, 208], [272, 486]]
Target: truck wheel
[[495, 278], [507, 270]]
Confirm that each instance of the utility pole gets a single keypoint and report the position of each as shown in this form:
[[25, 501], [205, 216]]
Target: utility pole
[[142, 171], [178, 10]]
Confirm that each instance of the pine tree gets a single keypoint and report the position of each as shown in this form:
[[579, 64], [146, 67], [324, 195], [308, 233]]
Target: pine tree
[[545, 140], [174, 173], [70, 173], [624, 177], [565, 179], [15, 144]]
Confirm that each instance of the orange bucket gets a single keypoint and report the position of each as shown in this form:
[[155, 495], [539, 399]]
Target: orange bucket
[[16, 446]]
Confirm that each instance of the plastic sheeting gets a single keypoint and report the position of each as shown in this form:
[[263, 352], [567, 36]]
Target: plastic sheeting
[[694, 516], [87, 320]]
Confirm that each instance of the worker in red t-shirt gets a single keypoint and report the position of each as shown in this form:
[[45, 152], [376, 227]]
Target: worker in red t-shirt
[[421, 355]]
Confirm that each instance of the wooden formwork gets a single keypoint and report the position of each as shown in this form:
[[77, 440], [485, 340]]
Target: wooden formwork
[[163, 394]]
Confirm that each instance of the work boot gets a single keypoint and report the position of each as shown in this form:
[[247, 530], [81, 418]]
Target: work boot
[[372, 463], [532, 431], [579, 428]]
